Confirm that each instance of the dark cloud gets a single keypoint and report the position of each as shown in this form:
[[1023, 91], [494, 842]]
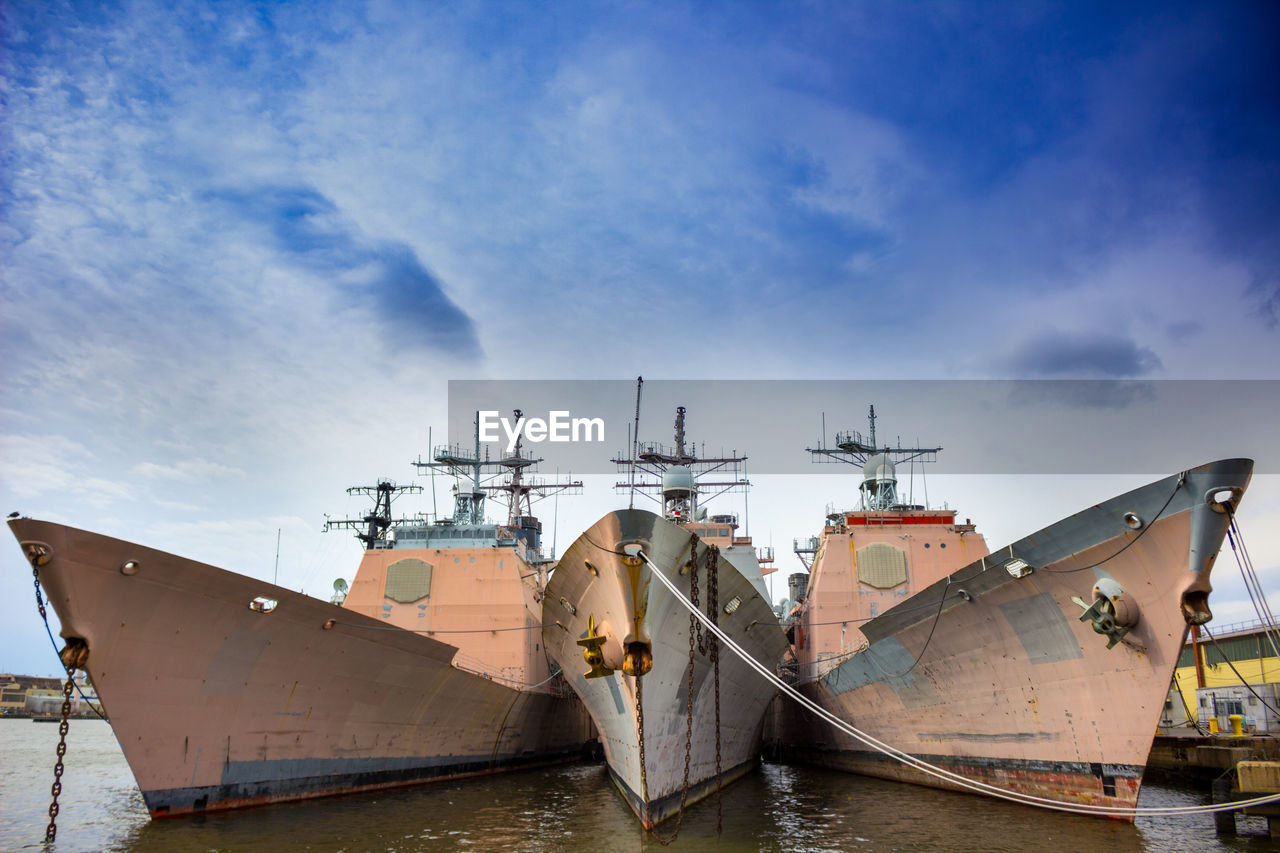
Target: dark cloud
[[1075, 394], [1183, 331], [1054, 353], [407, 298]]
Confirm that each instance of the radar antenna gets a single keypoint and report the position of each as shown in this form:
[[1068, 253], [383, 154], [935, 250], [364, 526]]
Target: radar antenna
[[682, 478], [339, 592], [479, 476], [879, 480], [378, 522]]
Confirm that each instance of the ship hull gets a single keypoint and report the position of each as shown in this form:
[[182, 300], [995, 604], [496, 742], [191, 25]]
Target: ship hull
[[591, 582], [1005, 684], [219, 706]]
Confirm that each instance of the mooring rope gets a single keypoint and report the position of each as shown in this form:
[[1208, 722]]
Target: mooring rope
[[925, 767]]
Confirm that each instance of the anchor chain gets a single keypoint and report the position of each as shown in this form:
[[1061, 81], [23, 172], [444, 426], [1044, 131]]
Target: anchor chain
[[713, 611], [693, 597], [35, 574], [688, 721], [55, 790], [644, 778], [689, 716]]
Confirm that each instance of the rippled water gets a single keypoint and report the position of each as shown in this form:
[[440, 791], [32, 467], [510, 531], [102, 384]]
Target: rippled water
[[781, 808]]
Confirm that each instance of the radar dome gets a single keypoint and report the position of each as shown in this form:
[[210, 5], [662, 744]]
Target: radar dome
[[677, 481], [879, 467]]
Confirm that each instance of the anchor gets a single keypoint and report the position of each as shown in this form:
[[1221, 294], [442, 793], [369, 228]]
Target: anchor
[[593, 650], [1110, 614]]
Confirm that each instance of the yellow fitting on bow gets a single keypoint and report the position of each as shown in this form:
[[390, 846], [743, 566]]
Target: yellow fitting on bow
[[593, 650]]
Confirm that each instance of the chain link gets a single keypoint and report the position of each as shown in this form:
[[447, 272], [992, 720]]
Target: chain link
[[688, 719], [713, 611], [695, 625], [644, 779], [51, 831], [35, 573], [55, 790]]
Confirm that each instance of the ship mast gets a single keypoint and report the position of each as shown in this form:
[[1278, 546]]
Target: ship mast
[[468, 504], [477, 476], [679, 474], [379, 521], [499, 476], [879, 481]]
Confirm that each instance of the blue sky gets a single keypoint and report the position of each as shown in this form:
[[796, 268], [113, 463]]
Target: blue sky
[[244, 247]]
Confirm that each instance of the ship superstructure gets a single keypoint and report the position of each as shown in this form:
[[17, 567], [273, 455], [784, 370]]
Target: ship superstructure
[[871, 558], [1039, 668], [226, 691], [475, 583], [677, 718]]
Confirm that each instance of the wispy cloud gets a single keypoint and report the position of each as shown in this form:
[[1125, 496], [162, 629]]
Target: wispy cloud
[[56, 465], [188, 471]]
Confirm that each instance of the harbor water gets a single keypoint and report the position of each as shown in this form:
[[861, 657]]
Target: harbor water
[[570, 808]]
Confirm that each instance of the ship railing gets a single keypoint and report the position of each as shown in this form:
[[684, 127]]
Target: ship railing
[[805, 545], [1237, 628], [825, 660], [476, 666]]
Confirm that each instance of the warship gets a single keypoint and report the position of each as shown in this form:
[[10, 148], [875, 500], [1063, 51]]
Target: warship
[[226, 691], [677, 719], [1040, 668]]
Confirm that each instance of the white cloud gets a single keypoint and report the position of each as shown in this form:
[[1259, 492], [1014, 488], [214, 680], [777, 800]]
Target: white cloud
[[188, 471], [45, 466]]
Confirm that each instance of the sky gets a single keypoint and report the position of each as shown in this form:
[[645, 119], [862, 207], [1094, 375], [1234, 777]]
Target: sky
[[244, 247]]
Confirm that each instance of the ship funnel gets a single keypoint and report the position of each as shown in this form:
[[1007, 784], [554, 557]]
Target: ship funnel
[[798, 586]]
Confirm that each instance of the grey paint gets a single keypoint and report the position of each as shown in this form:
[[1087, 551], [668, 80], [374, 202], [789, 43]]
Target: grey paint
[[887, 661], [616, 693], [233, 662], [1003, 737], [1042, 629]]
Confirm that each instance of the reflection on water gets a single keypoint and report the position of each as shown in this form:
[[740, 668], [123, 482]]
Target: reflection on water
[[781, 808]]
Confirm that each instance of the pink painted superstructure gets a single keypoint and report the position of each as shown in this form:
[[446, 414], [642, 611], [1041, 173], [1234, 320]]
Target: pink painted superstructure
[[225, 691], [1040, 668]]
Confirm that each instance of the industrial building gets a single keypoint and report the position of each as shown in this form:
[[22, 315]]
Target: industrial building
[[1232, 670]]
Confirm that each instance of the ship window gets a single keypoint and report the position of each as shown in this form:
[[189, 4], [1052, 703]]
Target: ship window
[[1226, 707], [724, 531]]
